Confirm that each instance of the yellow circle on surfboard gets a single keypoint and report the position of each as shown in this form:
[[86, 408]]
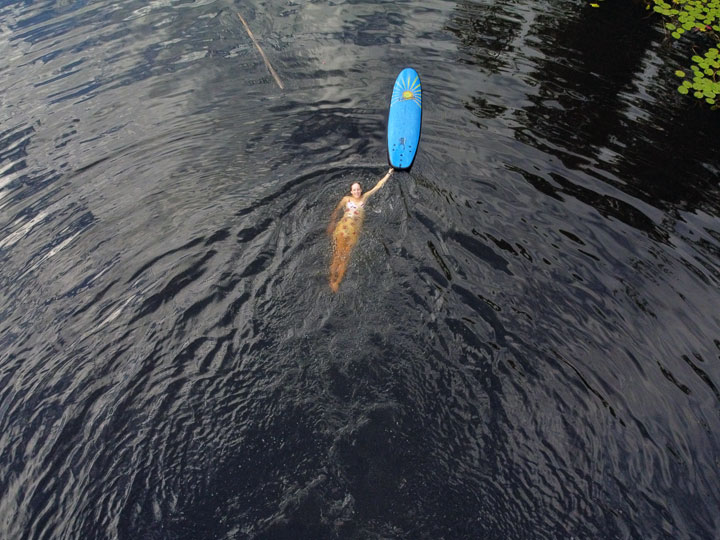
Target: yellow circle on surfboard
[[407, 94]]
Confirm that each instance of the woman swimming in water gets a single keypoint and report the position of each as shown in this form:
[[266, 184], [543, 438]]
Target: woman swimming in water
[[345, 232]]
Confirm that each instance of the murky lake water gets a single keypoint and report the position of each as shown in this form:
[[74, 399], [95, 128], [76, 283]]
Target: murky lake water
[[526, 344]]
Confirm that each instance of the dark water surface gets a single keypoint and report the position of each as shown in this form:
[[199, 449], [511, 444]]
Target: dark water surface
[[526, 344]]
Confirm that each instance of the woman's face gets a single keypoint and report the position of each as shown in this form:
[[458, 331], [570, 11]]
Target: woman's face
[[356, 190]]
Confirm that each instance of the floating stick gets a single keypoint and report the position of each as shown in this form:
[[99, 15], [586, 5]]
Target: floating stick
[[257, 45]]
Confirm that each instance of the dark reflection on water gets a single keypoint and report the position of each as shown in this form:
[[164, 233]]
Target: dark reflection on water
[[526, 344]]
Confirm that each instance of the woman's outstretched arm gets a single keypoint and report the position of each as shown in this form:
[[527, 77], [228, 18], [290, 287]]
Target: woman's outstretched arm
[[333, 217], [380, 184]]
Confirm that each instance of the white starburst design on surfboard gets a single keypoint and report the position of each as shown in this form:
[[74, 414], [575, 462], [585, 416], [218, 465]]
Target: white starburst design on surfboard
[[407, 90]]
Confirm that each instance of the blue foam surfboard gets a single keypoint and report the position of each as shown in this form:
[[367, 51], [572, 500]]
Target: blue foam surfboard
[[404, 119]]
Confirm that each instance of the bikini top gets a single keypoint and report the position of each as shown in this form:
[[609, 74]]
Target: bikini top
[[354, 208]]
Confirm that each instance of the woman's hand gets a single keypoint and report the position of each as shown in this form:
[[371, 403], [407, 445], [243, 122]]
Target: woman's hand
[[380, 184]]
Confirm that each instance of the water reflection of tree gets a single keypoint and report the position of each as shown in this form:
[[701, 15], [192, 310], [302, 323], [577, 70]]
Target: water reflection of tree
[[485, 32], [591, 111], [591, 107]]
